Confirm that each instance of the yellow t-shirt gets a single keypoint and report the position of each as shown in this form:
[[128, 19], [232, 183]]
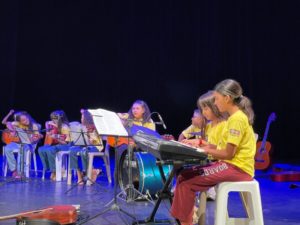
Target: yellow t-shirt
[[95, 139], [214, 133], [65, 129], [187, 133], [149, 125], [239, 132]]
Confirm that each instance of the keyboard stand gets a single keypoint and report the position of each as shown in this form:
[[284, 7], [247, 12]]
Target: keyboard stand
[[165, 192]]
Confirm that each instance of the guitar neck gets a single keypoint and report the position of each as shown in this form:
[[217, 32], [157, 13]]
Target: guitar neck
[[266, 134], [22, 214]]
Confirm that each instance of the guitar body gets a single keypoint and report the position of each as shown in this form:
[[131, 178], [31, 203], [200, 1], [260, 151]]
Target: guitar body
[[8, 137], [63, 214], [53, 136], [121, 140], [262, 157], [48, 139]]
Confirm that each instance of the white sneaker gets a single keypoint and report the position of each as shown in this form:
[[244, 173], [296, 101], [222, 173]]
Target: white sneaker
[[211, 194]]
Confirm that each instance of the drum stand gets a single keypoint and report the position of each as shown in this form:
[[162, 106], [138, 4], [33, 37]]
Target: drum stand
[[113, 202], [130, 193]]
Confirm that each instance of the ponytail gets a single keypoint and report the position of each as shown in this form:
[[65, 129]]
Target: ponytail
[[245, 104]]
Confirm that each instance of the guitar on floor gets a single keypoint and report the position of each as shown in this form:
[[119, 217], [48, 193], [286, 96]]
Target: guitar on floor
[[262, 158], [62, 214]]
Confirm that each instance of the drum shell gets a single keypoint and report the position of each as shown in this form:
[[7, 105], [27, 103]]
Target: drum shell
[[145, 172]]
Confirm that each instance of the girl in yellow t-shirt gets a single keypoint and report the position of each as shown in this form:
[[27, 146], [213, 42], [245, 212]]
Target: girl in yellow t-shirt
[[139, 114], [214, 124], [235, 151]]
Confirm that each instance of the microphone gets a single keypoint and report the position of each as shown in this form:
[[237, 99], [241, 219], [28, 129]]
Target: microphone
[[162, 121]]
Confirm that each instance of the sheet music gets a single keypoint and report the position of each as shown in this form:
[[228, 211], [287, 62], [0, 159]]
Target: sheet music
[[78, 134], [23, 135], [108, 123]]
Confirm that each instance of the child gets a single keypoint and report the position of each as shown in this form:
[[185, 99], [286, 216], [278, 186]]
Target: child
[[235, 151], [194, 130], [94, 145], [140, 115], [24, 121], [214, 124], [57, 139]]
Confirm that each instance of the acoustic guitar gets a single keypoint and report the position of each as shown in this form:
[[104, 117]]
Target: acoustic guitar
[[262, 158], [53, 137], [9, 136], [63, 214]]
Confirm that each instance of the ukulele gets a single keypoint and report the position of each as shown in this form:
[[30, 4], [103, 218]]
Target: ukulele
[[53, 137], [63, 214], [262, 159]]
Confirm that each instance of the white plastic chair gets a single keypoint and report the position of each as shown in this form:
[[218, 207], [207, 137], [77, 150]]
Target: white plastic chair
[[105, 156], [62, 168], [27, 162], [250, 195]]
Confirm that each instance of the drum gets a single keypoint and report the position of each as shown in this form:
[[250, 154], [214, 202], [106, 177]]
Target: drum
[[146, 177]]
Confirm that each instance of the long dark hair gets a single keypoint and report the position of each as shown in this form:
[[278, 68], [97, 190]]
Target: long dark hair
[[147, 113], [87, 120], [208, 100], [61, 118]]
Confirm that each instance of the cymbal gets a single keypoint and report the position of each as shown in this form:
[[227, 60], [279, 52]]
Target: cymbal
[[196, 133]]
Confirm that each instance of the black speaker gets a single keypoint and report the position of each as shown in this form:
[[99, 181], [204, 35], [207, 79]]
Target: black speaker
[[25, 221]]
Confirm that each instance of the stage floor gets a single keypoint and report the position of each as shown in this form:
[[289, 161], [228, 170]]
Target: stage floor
[[280, 202]]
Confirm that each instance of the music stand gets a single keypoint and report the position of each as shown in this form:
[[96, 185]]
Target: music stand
[[24, 138], [80, 138], [130, 192], [109, 124]]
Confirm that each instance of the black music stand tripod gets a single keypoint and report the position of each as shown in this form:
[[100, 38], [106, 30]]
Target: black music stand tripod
[[24, 139], [82, 141], [130, 192], [113, 202]]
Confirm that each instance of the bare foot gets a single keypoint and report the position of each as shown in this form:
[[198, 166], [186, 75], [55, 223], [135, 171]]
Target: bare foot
[[95, 174], [80, 182], [53, 176]]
